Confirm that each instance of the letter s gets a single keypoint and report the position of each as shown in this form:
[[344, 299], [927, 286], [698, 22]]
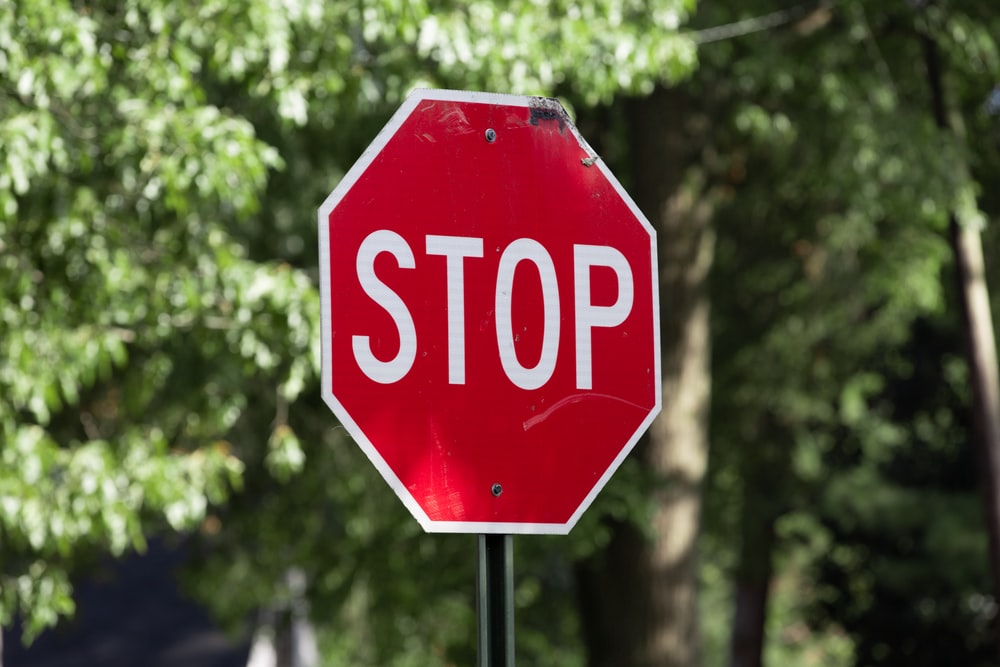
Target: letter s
[[385, 372]]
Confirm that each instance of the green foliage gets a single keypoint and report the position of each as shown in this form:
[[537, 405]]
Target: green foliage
[[594, 51], [134, 328], [160, 168], [832, 256]]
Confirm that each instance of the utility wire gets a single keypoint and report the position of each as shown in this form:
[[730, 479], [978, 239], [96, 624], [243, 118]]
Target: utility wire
[[759, 23]]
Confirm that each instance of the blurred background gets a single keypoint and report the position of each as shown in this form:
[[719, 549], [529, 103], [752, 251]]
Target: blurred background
[[820, 489]]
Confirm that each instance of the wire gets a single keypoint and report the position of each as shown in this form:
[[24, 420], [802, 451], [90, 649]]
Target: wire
[[759, 23]]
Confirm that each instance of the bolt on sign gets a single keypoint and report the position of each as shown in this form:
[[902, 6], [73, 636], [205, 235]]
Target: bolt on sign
[[490, 324]]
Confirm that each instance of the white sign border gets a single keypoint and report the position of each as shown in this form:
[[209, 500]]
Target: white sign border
[[429, 525]]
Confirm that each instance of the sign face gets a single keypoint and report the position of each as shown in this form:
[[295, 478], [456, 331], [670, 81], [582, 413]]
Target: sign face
[[489, 313]]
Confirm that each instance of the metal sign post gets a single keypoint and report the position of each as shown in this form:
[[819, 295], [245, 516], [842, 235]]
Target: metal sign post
[[495, 600]]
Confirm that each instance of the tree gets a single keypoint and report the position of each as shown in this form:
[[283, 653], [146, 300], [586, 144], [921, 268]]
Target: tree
[[964, 223], [158, 315], [131, 319], [836, 241], [460, 46], [598, 55]]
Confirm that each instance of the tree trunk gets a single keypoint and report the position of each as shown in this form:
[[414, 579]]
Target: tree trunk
[[639, 595], [749, 619], [764, 470], [980, 345], [980, 341]]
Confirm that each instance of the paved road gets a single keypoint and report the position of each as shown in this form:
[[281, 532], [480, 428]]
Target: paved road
[[132, 616]]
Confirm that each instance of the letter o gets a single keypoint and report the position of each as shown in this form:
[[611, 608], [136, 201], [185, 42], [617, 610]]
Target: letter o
[[527, 250]]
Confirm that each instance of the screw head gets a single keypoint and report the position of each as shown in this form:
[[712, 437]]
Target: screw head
[[491, 135], [496, 489]]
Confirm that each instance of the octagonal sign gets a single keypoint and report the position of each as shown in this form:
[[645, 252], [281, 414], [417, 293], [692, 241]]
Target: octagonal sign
[[489, 313]]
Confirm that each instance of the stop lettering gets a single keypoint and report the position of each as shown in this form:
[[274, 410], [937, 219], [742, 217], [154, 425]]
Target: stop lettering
[[456, 249]]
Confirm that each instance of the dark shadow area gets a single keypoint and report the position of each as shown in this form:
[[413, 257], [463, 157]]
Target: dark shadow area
[[131, 613]]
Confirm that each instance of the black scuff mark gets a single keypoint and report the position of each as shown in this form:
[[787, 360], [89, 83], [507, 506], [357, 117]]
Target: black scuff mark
[[547, 109]]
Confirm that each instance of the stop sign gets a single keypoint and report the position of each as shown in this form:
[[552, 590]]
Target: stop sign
[[490, 331]]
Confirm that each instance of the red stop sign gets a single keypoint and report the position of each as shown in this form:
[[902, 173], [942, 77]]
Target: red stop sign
[[490, 313]]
